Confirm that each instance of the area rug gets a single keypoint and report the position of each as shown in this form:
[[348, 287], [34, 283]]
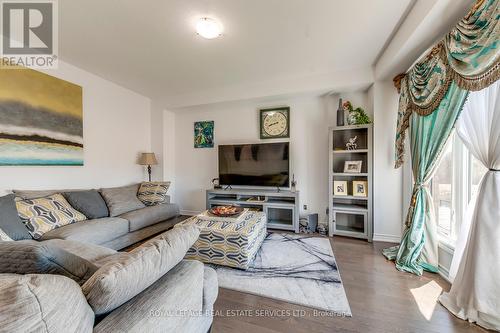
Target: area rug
[[292, 268]]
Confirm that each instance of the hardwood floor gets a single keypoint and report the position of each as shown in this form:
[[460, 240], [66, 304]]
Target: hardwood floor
[[382, 299]]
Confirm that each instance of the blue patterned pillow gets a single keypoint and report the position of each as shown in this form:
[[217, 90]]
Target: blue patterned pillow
[[45, 214]]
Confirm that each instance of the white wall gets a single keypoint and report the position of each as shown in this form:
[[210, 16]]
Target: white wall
[[157, 139], [238, 122], [116, 129], [387, 185], [169, 151]]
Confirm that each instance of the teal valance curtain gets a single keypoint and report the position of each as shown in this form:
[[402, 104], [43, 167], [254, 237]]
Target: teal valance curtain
[[432, 94]]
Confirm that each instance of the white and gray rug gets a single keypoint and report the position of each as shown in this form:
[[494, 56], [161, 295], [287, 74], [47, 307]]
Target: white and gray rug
[[293, 268]]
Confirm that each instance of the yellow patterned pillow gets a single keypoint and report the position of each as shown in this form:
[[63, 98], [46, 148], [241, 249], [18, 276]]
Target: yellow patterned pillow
[[4, 237], [42, 215], [153, 193]]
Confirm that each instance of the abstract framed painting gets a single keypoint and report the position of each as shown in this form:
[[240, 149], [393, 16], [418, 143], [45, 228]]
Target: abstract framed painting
[[204, 134], [41, 119]]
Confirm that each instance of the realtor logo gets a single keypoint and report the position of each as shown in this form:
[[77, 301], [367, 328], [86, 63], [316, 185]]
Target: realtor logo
[[29, 34]]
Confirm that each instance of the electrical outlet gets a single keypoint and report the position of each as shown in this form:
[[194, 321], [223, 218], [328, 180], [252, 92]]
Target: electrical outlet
[[305, 207]]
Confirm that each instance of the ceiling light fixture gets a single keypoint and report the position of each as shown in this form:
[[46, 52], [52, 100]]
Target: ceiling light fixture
[[208, 28]]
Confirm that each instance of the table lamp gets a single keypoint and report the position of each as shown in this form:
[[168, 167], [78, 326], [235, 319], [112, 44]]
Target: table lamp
[[148, 159]]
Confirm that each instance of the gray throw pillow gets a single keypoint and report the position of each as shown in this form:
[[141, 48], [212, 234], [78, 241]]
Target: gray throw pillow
[[32, 257], [10, 222], [90, 203], [120, 280], [122, 199], [43, 303]]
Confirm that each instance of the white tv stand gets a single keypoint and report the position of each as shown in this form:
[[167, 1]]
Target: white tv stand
[[281, 207]]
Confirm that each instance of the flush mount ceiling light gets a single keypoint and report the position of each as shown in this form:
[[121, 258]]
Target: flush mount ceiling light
[[208, 28]]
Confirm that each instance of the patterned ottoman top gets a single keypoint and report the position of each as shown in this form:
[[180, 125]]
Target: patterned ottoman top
[[245, 226]]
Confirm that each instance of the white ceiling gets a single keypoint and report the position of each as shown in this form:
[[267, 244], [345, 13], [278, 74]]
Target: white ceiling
[[150, 46]]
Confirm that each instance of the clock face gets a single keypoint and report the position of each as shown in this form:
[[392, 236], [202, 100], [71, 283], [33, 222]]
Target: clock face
[[274, 124]]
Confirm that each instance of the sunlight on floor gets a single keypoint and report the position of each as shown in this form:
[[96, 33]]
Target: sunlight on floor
[[426, 298]]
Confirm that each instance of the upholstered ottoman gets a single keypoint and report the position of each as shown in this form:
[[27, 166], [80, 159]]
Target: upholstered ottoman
[[228, 243]]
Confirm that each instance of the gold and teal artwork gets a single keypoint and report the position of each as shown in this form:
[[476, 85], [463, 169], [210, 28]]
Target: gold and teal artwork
[[41, 119], [204, 134]]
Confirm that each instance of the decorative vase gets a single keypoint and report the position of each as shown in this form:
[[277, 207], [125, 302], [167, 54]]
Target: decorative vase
[[340, 114]]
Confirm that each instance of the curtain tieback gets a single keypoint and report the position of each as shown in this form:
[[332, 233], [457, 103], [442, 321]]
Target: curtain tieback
[[416, 186], [494, 170]]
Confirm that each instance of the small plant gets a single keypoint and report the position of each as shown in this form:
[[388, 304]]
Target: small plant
[[356, 116]]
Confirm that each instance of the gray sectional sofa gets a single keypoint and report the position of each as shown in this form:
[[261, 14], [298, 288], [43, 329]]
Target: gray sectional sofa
[[115, 232], [149, 289]]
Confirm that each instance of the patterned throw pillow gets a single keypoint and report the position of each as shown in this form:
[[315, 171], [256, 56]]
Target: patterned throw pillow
[[153, 193], [4, 237], [45, 214]]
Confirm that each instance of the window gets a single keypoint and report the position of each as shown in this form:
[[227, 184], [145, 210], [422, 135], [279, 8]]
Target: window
[[453, 185], [441, 188]]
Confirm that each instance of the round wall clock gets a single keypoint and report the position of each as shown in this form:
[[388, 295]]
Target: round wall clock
[[275, 123]]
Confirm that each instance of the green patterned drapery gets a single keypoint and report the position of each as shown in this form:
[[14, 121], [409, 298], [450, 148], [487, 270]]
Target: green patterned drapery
[[428, 137], [432, 94], [468, 55]]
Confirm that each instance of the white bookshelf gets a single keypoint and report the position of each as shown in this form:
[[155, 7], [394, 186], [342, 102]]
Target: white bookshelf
[[350, 215]]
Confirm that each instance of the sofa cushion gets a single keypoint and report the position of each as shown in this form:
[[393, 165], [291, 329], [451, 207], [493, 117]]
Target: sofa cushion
[[147, 216], [43, 303], [96, 231], [45, 214], [121, 199], [117, 282], [32, 257], [90, 252], [90, 203], [168, 305], [153, 193], [10, 222]]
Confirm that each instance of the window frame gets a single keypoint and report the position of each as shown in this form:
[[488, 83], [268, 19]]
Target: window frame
[[460, 187]]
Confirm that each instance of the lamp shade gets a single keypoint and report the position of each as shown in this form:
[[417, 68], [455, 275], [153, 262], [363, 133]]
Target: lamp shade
[[148, 159]]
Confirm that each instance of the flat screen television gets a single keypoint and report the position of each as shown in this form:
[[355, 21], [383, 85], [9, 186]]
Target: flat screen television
[[265, 164]]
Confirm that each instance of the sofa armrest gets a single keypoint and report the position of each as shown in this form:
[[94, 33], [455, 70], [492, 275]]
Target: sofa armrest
[[174, 303], [210, 288]]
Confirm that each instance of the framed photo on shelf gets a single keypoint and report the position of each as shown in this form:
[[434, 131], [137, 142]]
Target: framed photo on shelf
[[360, 188], [352, 166], [339, 187]]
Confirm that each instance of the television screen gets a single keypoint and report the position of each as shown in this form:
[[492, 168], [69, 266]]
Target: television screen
[[265, 164]]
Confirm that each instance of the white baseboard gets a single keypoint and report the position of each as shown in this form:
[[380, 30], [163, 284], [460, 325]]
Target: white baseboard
[[386, 238], [190, 212], [443, 271]]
